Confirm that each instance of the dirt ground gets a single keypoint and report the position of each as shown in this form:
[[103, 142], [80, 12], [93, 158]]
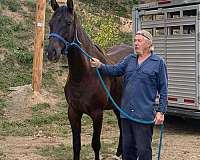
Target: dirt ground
[[181, 139]]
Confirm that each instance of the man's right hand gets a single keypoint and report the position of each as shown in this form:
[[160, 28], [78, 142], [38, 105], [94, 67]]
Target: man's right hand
[[95, 63]]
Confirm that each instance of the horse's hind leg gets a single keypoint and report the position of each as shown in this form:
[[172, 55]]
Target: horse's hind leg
[[97, 125], [119, 148], [75, 121]]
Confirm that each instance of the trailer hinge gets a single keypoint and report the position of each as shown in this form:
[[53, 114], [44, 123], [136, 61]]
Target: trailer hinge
[[198, 15], [198, 57]]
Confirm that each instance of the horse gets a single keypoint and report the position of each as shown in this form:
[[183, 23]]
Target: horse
[[83, 90]]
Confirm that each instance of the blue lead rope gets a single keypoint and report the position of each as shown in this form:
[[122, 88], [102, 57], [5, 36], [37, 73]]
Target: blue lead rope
[[77, 44]]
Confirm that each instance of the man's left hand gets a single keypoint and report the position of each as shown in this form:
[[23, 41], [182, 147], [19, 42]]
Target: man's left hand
[[159, 118]]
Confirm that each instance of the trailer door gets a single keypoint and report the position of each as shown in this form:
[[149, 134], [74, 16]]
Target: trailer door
[[175, 33]]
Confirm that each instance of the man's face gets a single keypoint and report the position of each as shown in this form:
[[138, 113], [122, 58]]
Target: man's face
[[141, 44]]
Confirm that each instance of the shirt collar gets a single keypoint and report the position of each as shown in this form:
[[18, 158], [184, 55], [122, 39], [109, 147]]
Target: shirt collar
[[152, 57]]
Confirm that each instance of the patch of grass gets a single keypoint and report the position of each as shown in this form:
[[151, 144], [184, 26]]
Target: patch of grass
[[31, 5], [50, 123], [15, 129], [11, 4], [2, 106], [13, 75], [63, 152], [54, 152], [40, 106], [40, 119], [2, 103], [24, 58]]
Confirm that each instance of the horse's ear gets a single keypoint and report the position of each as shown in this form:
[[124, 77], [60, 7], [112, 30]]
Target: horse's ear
[[70, 5], [54, 5]]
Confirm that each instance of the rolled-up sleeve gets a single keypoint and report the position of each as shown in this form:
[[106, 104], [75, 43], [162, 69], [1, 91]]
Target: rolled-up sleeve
[[162, 87]]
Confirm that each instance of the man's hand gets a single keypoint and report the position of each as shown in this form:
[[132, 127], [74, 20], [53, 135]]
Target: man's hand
[[159, 118], [95, 63]]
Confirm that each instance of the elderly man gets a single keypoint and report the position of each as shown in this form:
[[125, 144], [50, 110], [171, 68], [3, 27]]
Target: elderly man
[[145, 77]]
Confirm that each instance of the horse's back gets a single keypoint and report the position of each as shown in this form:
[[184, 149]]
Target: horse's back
[[119, 52]]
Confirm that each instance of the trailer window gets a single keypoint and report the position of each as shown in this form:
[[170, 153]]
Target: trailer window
[[174, 30], [189, 29], [160, 31], [159, 16], [150, 30], [173, 14], [188, 13], [147, 17]]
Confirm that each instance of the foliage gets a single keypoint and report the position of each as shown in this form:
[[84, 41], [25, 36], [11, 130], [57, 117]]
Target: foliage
[[11, 4], [115, 7], [103, 30], [108, 34]]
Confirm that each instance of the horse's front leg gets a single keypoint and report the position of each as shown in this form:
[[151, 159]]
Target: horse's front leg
[[75, 121], [97, 118]]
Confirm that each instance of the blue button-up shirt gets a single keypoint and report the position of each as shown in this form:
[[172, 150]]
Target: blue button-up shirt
[[142, 83]]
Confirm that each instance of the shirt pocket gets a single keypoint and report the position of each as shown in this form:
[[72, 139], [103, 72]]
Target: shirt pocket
[[147, 73], [148, 76]]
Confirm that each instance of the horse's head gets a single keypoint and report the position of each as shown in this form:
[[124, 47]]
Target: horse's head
[[62, 29]]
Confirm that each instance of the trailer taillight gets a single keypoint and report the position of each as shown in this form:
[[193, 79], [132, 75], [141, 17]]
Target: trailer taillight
[[172, 99], [188, 101], [164, 1]]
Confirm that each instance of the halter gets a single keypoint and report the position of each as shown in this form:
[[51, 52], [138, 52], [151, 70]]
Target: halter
[[66, 43]]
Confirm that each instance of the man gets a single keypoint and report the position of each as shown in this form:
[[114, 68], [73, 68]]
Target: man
[[145, 77]]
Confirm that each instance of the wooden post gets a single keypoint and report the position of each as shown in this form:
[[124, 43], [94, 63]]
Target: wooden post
[[39, 44]]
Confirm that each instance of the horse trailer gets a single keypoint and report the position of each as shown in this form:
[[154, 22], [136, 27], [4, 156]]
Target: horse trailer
[[175, 26]]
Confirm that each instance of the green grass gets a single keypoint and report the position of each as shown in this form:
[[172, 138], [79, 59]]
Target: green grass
[[54, 152], [50, 123], [12, 5], [2, 107], [40, 106], [64, 152]]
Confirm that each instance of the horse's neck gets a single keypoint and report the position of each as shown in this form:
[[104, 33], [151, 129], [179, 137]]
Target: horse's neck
[[79, 65]]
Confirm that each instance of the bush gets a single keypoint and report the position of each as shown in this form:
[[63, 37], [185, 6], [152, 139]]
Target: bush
[[102, 30]]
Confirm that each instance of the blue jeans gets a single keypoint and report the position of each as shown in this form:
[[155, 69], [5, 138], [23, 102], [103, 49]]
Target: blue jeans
[[136, 140]]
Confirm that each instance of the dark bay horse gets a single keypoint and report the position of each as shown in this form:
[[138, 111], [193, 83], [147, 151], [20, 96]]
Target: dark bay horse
[[83, 90]]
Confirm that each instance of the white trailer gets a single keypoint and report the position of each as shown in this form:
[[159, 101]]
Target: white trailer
[[175, 26]]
